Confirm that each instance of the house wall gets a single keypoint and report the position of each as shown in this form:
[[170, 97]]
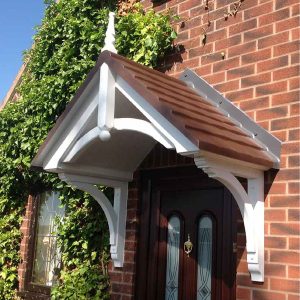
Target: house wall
[[259, 72]]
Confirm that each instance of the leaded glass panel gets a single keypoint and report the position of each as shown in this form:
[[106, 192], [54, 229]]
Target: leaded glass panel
[[172, 270], [47, 255], [204, 259]]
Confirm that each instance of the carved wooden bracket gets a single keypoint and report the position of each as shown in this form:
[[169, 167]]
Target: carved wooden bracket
[[250, 203], [115, 215]]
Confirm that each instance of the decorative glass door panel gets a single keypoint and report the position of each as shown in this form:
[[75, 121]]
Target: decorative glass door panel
[[172, 269], [204, 258]]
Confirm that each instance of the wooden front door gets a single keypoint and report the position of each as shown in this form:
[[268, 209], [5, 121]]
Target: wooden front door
[[186, 238]]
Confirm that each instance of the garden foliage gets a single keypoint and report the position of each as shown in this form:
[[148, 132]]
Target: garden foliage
[[66, 47]]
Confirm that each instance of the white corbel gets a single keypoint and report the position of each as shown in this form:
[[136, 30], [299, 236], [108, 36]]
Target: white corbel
[[250, 203], [115, 215]]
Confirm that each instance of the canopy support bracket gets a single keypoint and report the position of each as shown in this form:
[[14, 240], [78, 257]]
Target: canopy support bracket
[[250, 203], [115, 214]]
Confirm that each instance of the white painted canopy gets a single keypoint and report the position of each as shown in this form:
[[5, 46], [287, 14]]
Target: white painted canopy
[[123, 109]]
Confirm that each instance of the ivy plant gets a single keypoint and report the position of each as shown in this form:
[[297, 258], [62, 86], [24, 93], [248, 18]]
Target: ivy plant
[[66, 46]]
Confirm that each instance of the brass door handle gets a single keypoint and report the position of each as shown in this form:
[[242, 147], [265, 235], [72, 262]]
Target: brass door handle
[[188, 246]]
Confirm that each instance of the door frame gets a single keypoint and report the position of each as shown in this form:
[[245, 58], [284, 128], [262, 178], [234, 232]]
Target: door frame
[[165, 179]]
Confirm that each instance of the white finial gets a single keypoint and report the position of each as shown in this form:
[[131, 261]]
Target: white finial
[[109, 43]]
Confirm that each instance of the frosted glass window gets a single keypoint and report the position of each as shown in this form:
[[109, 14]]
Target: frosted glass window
[[47, 256], [204, 259], [172, 270]]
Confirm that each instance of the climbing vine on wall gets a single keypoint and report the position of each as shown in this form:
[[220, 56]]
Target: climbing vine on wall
[[66, 47]]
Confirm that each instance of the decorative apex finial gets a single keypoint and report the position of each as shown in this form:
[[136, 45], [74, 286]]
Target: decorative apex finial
[[109, 42]]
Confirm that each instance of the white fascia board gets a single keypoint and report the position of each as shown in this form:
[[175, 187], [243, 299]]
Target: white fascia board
[[50, 155], [77, 121], [182, 144], [96, 174]]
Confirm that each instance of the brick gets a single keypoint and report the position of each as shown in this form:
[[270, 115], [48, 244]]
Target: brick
[[255, 80], [275, 242], [272, 113], [294, 215], [272, 88], [258, 10], [243, 48], [228, 86], [210, 58], [296, 10], [286, 73], [204, 70], [242, 27], [294, 271], [284, 229], [282, 135], [294, 161], [238, 19], [291, 148], [215, 78], [264, 295], [292, 122], [190, 24], [226, 64], [188, 4], [295, 59], [182, 36], [272, 64], [227, 43], [282, 3], [294, 188], [287, 24], [273, 17], [258, 33], [294, 243], [294, 110], [240, 72], [288, 257], [285, 285], [255, 104], [115, 276], [256, 56], [121, 288], [216, 35], [285, 98], [196, 52], [285, 200], [286, 48], [293, 297], [243, 294], [245, 280], [272, 40], [240, 95], [276, 214], [192, 63]]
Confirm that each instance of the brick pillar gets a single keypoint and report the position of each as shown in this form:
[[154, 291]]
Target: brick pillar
[[27, 229]]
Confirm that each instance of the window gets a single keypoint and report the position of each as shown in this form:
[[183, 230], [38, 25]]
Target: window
[[44, 255]]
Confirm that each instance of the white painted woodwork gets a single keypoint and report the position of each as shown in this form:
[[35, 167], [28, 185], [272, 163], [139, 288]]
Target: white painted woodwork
[[109, 42], [115, 215], [251, 205]]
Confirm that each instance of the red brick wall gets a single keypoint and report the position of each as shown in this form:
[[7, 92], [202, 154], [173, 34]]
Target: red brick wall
[[260, 74]]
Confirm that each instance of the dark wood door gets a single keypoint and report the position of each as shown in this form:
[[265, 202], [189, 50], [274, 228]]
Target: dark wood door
[[186, 237]]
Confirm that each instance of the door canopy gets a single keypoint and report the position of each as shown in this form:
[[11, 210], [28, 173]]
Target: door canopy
[[123, 109]]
